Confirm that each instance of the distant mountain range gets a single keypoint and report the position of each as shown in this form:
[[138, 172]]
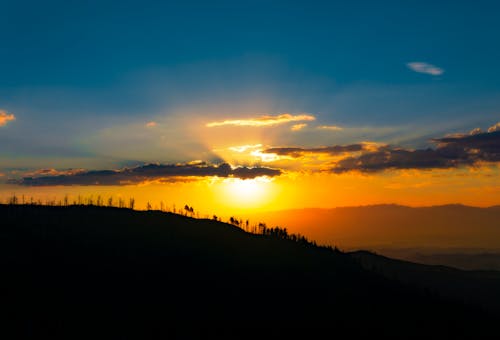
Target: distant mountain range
[[86, 272], [457, 235]]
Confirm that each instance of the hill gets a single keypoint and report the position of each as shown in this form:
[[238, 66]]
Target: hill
[[472, 286], [455, 235], [80, 272]]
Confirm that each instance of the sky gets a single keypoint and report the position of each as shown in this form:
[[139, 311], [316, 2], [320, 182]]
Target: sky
[[243, 106]]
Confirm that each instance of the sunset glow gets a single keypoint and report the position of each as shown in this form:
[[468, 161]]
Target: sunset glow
[[253, 130], [250, 193], [250, 169]]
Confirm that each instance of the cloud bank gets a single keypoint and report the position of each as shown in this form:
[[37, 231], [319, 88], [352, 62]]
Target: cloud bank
[[5, 118], [262, 121], [426, 68], [145, 173], [450, 152]]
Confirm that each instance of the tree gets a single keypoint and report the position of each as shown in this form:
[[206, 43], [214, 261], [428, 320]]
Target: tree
[[262, 228], [13, 199]]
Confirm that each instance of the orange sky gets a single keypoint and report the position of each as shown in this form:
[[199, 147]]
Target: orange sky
[[295, 189], [297, 159]]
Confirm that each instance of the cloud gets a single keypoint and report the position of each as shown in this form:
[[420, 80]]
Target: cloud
[[494, 128], [146, 173], [151, 124], [53, 172], [5, 118], [451, 152], [331, 150], [389, 158], [298, 127], [330, 127], [244, 148], [265, 120], [426, 68]]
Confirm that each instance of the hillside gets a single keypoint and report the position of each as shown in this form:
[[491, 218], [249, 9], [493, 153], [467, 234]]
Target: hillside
[[473, 286], [80, 272], [455, 235]]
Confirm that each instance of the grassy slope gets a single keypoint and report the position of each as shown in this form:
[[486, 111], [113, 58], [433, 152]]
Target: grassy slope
[[86, 271]]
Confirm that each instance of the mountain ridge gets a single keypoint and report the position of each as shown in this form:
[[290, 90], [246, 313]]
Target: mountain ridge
[[127, 274]]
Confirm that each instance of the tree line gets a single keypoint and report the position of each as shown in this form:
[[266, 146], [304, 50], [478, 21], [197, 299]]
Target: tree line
[[260, 228]]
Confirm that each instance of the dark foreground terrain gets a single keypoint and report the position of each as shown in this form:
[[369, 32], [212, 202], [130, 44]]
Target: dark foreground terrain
[[93, 272]]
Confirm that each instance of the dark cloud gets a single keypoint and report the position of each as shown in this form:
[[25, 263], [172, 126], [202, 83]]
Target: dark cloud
[[451, 152], [333, 150], [148, 172], [485, 146], [388, 158]]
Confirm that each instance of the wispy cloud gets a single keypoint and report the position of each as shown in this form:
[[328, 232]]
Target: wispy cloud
[[298, 127], [53, 172], [5, 118], [143, 174], [331, 150], [244, 148], [426, 68], [266, 120], [151, 124], [330, 127]]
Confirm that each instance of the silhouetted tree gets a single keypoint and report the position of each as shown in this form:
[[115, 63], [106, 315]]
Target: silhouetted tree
[[13, 199], [262, 228]]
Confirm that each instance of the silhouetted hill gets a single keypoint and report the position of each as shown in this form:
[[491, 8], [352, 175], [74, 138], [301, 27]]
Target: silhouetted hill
[[87, 272], [399, 231], [474, 286]]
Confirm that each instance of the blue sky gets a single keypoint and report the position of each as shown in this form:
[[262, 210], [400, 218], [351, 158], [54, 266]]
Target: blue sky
[[83, 78]]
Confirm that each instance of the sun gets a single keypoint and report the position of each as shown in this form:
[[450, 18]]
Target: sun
[[247, 193]]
